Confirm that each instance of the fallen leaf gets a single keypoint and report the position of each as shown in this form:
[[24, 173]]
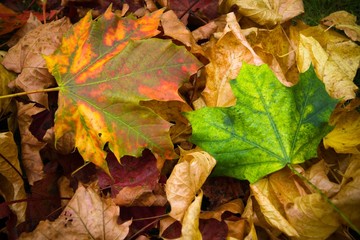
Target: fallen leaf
[[174, 28], [344, 21], [86, 216], [186, 179], [32, 23], [345, 137], [5, 77], [252, 138], [235, 206], [312, 217], [348, 198], [190, 222], [26, 58], [11, 183], [334, 57], [270, 207], [30, 146], [268, 13], [276, 50], [226, 54], [99, 103]]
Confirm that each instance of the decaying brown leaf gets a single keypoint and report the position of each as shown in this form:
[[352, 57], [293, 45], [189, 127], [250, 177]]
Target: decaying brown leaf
[[344, 21], [5, 77], [11, 183], [26, 58], [186, 180], [87, 216], [30, 146]]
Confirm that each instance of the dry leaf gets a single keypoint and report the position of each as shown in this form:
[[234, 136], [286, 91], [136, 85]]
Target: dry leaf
[[174, 28], [141, 196], [32, 23], [312, 217], [186, 179], [87, 216], [11, 183], [65, 190], [226, 52], [276, 50], [190, 223], [30, 146], [335, 59], [235, 206], [348, 198], [268, 13], [344, 21], [345, 137], [5, 77], [26, 58]]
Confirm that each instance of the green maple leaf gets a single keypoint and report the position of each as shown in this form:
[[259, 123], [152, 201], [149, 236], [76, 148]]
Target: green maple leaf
[[104, 68], [269, 127]]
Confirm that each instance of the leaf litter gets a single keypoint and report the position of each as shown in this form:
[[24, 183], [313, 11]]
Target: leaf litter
[[118, 159]]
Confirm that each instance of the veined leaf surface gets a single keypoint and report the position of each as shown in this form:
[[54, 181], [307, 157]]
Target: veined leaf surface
[[103, 69], [270, 126]]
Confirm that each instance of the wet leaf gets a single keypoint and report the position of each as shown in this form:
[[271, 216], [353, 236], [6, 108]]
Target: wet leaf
[[102, 78], [11, 183], [86, 216], [252, 138]]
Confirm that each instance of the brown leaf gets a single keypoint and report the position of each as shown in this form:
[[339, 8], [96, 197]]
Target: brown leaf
[[26, 58], [226, 53], [11, 183], [344, 21], [86, 216], [174, 28], [30, 146], [186, 179], [6, 105], [235, 206]]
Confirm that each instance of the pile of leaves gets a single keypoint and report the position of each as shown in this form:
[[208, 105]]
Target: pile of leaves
[[179, 120]]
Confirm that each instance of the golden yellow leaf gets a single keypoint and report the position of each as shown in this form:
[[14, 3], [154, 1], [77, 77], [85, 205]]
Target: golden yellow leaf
[[335, 59], [235, 206], [11, 183], [186, 179], [276, 50], [268, 13], [190, 223], [87, 216], [345, 137], [312, 217], [344, 21], [270, 207]]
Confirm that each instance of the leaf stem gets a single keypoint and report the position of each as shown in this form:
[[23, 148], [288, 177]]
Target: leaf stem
[[31, 92], [346, 219]]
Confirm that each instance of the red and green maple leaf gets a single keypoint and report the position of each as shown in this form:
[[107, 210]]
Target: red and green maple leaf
[[104, 68]]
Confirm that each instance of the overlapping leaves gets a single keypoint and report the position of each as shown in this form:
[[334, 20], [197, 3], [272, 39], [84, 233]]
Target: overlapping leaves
[[104, 70], [270, 125]]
